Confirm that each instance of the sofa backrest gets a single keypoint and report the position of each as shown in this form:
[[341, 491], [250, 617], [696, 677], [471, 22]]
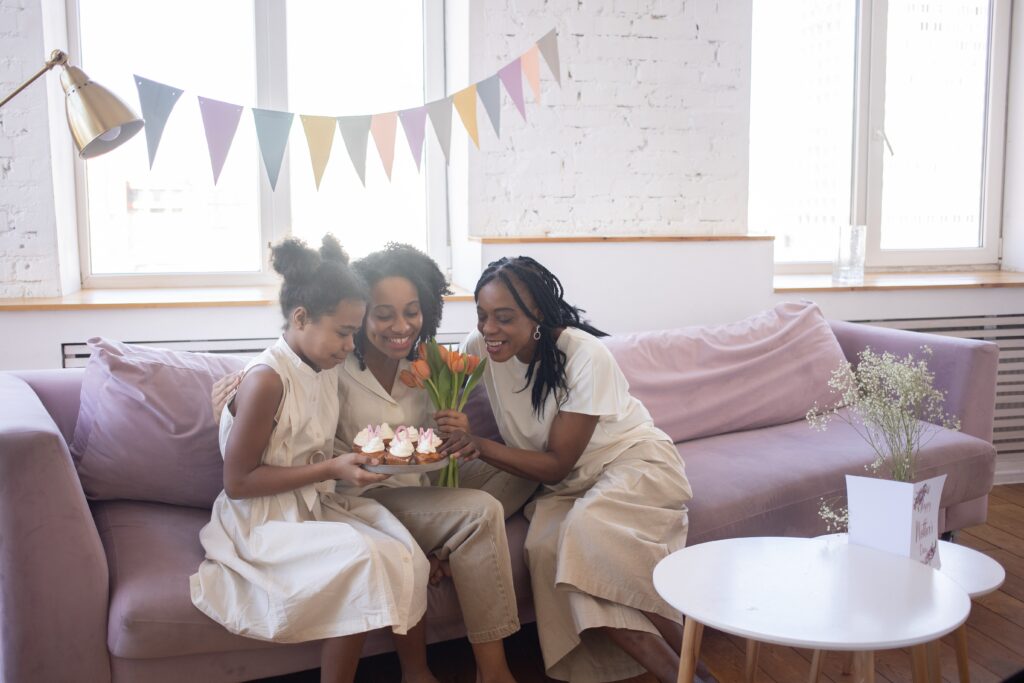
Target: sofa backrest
[[768, 369], [59, 392]]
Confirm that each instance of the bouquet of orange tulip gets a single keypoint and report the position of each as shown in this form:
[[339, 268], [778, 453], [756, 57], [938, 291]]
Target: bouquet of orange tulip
[[450, 377]]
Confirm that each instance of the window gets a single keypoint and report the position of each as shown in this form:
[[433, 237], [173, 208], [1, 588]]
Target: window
[[171, 224], [884, 113]]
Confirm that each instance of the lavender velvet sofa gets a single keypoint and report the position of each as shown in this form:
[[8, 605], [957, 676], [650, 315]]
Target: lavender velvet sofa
[[97, 590]]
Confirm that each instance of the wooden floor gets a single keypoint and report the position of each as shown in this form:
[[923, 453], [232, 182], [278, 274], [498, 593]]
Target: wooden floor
[[995, 630]]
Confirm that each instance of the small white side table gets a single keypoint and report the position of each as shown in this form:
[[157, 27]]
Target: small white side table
[[975, 572], [809, 593]]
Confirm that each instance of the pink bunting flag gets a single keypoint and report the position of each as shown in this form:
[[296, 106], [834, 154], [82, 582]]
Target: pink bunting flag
[[531, 67], [511, 76], [382, 128], [220, 121], [414, 123]]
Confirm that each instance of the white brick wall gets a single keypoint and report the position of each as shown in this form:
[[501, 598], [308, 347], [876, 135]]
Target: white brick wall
[[28, 237], [648, 133], [28, 240]]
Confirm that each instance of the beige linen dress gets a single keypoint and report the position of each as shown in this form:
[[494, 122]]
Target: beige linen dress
[[595, 536], [462, 526], [310, 563]]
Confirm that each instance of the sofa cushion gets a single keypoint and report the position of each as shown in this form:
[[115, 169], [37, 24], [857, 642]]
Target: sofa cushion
[[765, 370], [145, 429], [153, 548], [770, 481]]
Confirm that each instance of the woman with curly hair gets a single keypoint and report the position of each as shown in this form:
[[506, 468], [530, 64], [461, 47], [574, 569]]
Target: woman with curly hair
[[462, 529]]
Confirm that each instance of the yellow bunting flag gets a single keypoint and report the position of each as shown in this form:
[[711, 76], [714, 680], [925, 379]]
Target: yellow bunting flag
[[465, 104], [320, 136], [531, 67]]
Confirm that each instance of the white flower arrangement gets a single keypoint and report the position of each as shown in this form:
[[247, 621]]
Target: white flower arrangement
[[891, 403]]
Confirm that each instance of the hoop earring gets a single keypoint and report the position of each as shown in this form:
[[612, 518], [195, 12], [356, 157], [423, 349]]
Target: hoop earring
[[536, 334]]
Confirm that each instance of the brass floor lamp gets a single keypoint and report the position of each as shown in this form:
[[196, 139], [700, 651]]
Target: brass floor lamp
[[98, 119]]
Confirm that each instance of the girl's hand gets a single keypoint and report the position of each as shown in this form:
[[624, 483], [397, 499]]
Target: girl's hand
[[223, 390], [460, 445], [347, 468], [449, 421], [438, 570]]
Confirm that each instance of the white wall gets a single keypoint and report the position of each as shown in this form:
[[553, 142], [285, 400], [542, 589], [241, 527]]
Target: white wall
[[28, 234], [647, 134]]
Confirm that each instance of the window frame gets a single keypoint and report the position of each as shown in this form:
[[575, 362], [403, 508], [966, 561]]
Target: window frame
[[270, 35], [869, 144]]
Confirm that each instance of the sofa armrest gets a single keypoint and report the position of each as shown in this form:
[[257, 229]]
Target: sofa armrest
[[54, 593], [964, 368]]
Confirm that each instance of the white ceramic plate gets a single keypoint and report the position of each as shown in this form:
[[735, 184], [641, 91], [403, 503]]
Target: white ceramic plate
[[404, 469]]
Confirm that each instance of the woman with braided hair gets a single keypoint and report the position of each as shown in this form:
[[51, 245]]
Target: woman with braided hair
[[614, 494]]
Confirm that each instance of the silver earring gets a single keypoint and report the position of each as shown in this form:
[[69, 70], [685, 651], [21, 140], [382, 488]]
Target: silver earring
[[536, 334]]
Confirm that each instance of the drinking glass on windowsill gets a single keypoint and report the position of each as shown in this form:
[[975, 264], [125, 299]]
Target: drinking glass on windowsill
[[848, 268]]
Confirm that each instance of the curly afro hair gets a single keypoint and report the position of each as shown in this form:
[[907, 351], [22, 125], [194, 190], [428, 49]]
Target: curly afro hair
[[403, 260], [316, 279]]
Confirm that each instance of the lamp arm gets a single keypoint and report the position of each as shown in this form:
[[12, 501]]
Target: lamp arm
[[57, 58]]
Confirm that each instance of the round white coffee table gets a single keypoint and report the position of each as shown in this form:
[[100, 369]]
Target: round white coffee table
[[975, 572], [811, 593]]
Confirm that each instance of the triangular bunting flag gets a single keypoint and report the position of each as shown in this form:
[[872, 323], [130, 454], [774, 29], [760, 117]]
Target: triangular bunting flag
[[531, 67], [354, 130], [320, 136], [414, 123], [465, 104], [489, 90], [220, 121], [512, 76], [156, 101], [440, 113], [548, 46], [272, 128], [382, 127]]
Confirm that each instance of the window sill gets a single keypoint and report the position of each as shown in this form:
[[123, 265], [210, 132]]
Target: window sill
[[822, 282], [165, 297]]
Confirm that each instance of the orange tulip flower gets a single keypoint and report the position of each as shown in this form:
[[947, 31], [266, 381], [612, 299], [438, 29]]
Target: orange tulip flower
[[421, 369], [421, 351], [456, 362], [471, 363], [410, 380], [443, 350]]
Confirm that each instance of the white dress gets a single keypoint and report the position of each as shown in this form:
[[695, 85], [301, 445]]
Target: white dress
[[311, 563], [595, 536]]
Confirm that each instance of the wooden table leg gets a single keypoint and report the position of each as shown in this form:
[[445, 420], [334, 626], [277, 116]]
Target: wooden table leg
[[692, 631], [960, 637], [817, 662], [753, 647], [934, 668], [864, 667], [919, 661]]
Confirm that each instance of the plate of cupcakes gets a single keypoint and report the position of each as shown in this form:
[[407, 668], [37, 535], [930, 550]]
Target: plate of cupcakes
[[400, 450]]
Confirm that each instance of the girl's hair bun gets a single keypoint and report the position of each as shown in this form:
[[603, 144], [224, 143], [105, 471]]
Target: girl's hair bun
[[330, 250], [294, 260]]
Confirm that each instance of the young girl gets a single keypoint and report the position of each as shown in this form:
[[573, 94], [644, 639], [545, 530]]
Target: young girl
[[287, 558], [615, 493]]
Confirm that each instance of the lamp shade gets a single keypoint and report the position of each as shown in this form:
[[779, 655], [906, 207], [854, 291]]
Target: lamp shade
[[98, 119]]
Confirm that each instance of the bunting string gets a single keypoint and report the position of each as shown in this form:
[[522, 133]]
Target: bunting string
[[273, 128]]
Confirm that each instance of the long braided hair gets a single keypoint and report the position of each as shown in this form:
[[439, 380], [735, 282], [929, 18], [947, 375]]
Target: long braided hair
[[404, 260], [547, 367]]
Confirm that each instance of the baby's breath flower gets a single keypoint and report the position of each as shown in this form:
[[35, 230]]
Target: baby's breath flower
[[892, 403]]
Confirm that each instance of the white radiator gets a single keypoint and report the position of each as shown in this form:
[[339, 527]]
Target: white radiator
[[76, 354], [1008, 332]]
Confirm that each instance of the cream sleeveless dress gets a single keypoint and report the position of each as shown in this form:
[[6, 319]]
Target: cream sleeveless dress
[[310, 563]]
